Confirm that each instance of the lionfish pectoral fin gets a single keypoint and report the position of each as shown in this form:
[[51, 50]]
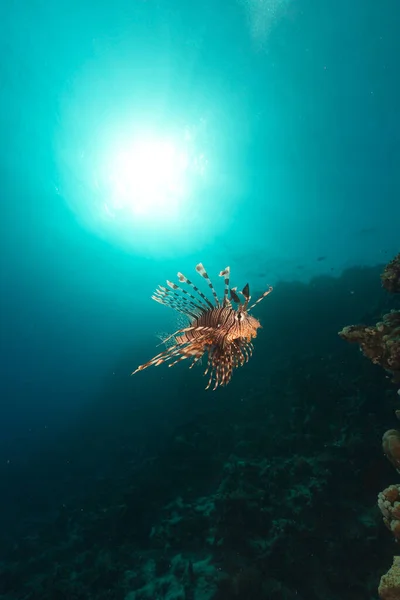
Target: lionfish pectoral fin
[[183, 357], [197, 360], [182, 304], [160, 358], [184, 330]]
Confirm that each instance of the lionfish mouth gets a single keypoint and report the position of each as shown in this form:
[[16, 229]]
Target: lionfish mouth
[[221, 329]]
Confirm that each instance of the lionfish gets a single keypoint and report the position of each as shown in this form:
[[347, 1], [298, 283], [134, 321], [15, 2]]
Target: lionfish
[[220, 329]]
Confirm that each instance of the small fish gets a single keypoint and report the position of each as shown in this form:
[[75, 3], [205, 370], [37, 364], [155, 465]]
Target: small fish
[[368, 231]]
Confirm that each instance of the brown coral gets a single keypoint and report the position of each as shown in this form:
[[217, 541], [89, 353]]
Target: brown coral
[[389, 505], [389, 587], [391, 447], [391, 276], [379, 343]]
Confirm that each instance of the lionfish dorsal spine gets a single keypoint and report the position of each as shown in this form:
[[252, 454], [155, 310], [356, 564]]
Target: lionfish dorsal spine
[[184, 279], [226, 273], [246, 295], [264, 295], [234, 295], [201, 270]]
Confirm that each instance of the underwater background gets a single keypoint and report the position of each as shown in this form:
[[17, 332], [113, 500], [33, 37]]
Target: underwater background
[[139, 139]]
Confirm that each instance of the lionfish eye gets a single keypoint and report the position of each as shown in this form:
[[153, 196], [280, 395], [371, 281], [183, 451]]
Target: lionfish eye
[[239, 316]]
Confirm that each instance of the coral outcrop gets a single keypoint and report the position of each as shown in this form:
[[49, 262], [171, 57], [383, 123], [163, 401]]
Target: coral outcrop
[[380, 343], [389, 505], [391, 276], [391, 447], [389, 587]]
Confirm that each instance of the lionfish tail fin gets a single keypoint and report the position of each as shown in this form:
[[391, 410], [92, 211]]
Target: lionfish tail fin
[[264, 295]]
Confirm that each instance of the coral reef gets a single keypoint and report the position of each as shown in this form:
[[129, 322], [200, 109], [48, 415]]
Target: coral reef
[[267, 494], [183, 579], [225, 507], [389, 505], [389, 587], [380, 343], [391, 447], [391, 276]]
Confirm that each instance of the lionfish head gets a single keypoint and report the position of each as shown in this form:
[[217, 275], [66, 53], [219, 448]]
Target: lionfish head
[[245, 326]]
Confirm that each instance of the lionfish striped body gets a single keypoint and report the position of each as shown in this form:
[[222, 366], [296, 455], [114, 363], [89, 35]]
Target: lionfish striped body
[[220, 329]]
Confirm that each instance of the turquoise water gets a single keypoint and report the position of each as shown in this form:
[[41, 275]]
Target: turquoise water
[[141, 138], [291, 106]]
